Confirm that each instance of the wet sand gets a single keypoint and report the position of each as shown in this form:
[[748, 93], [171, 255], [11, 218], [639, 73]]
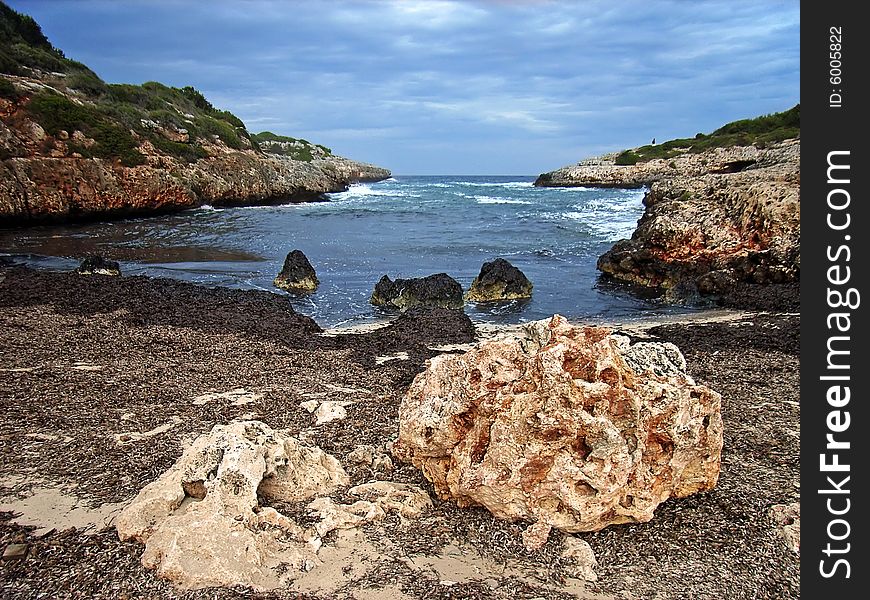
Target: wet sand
[[102, 380]]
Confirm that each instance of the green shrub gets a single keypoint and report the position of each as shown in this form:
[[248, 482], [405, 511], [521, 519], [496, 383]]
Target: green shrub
[[8, 64], [8, 89], [196, 97], [86, 82], [759, 131], [209, 126], [37, 58], [305, 153], [128, 115], [129, 94], [627, 158], [56, 113], [187, 152], [168, 117], [225, 115]]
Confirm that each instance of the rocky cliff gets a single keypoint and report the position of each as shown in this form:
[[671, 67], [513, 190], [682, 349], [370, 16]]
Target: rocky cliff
[[74, 147], [45, 176], [714, 222]]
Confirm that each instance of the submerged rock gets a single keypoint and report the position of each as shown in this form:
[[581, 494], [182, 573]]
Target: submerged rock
[[434, 291], [297, 274], [97, 265], [499, 281], [568, 427]]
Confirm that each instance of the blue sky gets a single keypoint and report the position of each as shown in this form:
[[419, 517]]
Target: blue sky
[[442, 87]]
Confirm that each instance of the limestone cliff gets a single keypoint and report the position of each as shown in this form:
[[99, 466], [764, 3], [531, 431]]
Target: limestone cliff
[[715, 220], [74, 147], [45, 176]]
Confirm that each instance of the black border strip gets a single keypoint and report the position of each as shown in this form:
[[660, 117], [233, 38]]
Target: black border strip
[[834, 351]]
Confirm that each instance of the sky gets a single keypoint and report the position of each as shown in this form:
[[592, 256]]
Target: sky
[[449, 87]]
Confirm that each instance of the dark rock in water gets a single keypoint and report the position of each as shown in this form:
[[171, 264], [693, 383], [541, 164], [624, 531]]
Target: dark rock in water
[[297, 274], [499, 281], [434, 291], [97, 265]]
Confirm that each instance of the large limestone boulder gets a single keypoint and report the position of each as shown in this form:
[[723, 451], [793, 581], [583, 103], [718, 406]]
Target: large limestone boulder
[[499, 281], [297, 274], [433, 291], [567, 427], [202, 523]]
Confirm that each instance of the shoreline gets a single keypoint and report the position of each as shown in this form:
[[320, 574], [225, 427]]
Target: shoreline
[[104, 380]]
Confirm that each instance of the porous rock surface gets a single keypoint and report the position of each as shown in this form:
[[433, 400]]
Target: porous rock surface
[[433, 291], [567, 427], [297, 274], [499, 281], [713, 220], [203, 525]]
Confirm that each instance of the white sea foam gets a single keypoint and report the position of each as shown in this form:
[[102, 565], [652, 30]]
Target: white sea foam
[[498, 200], [363, 190], [504, 184]]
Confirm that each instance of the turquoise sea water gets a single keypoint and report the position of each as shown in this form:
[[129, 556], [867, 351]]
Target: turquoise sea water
[[402, 227]]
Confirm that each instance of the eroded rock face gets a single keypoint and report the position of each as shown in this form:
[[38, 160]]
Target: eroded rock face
[[43, 178], [713, 220], [499, 281], [433, 291], [297, 274], [201, 521], [569, 427]]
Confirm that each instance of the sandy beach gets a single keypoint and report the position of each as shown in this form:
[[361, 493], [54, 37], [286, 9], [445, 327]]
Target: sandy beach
[[103, 380]]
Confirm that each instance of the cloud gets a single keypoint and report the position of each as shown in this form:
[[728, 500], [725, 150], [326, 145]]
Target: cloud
[[452, 86]]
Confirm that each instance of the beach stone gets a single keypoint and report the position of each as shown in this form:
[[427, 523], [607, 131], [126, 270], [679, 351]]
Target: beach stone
[[201, 521], [564, 426], [433, 291], [331, 515], [581, 558], [371, 457], [330, 411], [15, 552], [408, 500], [297, 274], [787, 520], [363, 454], [499, 281], [97, 265]]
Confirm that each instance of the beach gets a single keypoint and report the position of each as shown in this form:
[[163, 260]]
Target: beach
[[105, 379]]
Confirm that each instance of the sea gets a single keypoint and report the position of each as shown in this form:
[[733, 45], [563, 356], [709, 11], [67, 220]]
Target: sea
[[405, 226]]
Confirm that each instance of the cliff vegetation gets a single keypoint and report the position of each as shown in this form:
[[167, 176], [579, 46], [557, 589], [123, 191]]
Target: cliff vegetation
[[760, 132], [73, 146]]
